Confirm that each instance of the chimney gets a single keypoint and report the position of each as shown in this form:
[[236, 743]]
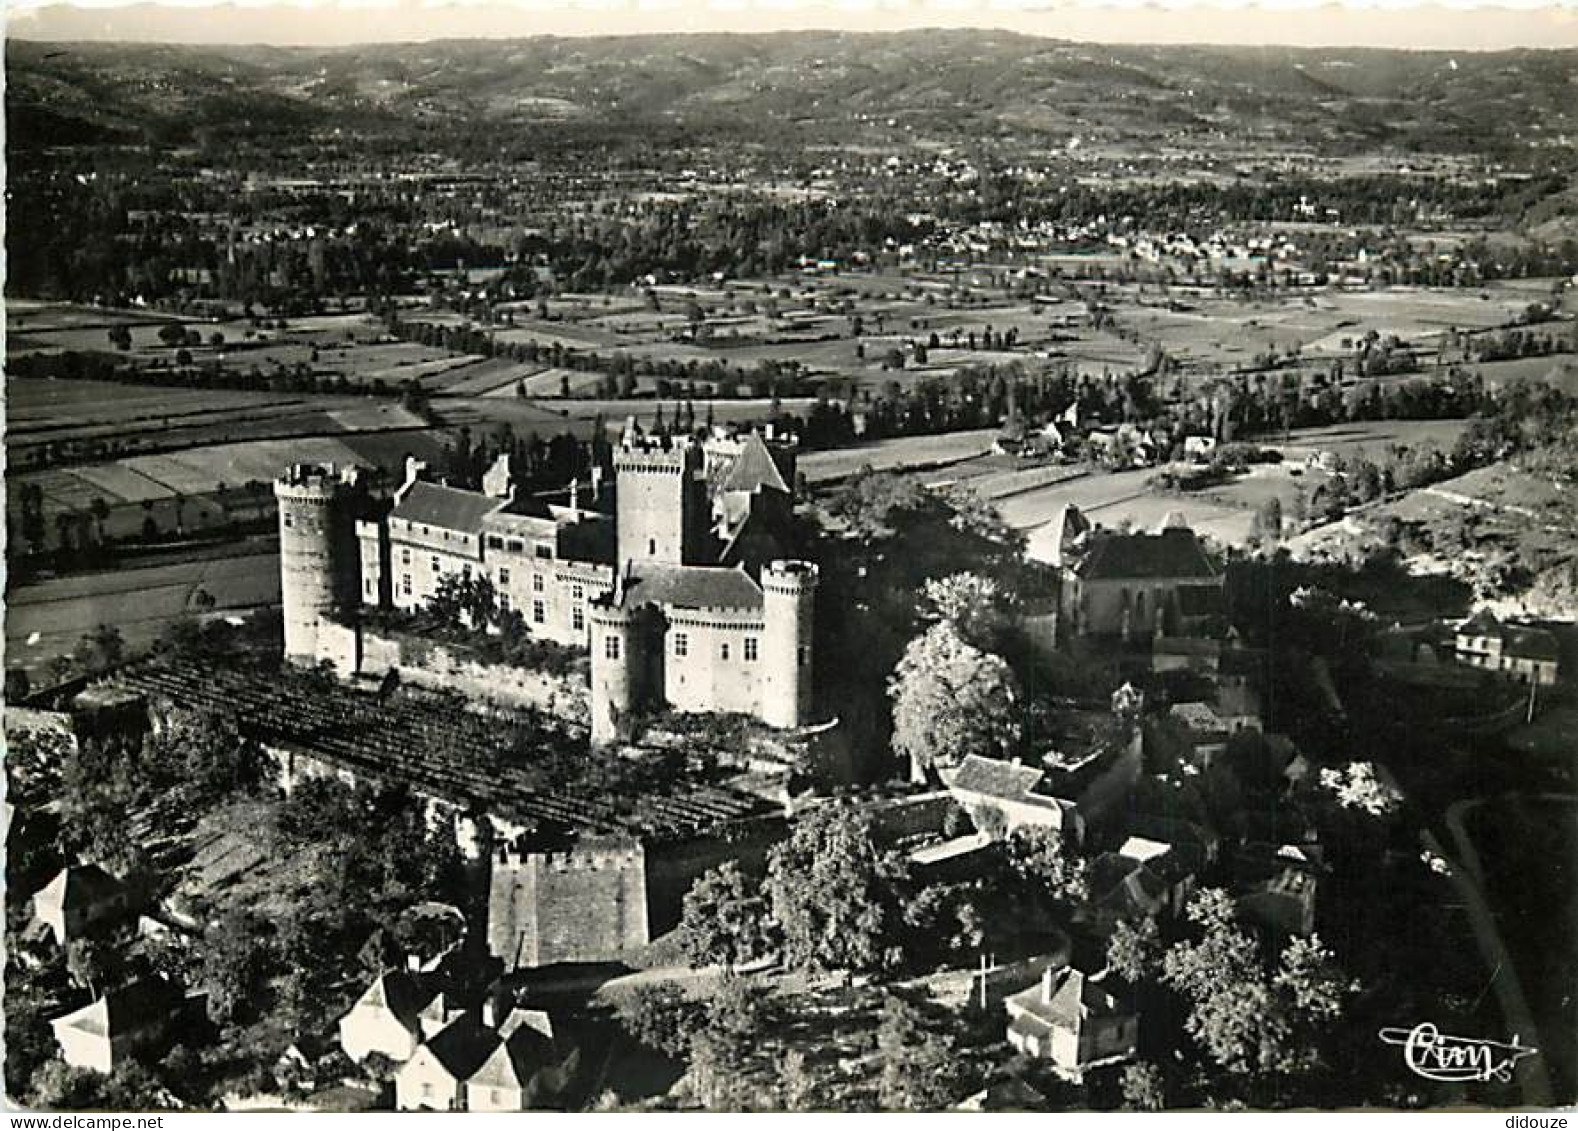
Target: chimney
[[490, 1014], [413, 469], [597, 482], [575, 498], [1046, 983]]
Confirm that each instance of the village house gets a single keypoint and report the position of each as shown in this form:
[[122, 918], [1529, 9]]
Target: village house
[[434, 1077], [525, 1070], [1143, 879], [1074, 1020], [133, 1021], [1012, 791], [81, 898], [393, 1016], [1520, 652]]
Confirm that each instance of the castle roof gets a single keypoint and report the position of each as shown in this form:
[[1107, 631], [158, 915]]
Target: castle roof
[[432, 504], [754, 467], [1175, 552], [693, 587]]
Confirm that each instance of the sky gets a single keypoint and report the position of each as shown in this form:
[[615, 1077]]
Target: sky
[[1457, 26]]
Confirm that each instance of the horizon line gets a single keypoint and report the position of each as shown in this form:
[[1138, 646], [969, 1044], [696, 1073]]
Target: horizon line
[[1382, 25]]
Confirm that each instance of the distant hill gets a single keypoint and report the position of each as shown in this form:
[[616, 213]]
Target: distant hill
[[822, 87]]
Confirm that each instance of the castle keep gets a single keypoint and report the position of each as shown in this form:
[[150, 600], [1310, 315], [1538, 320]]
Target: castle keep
[[674, 575]]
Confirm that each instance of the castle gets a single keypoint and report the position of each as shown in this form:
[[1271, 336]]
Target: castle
[[674, 576]]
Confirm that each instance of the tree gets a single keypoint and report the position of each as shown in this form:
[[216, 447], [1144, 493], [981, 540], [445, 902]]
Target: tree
[[918, 1061], [833, 894], [1134, 950], [660, 1017], [799, 1087], [1045, 859], [1143, 1087], [237, 960], [969, 602], [724, 919], [1358, 786], [951, 700], [1249, 1021]]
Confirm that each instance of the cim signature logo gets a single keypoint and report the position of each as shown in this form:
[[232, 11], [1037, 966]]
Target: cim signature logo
[[1437, 1056]]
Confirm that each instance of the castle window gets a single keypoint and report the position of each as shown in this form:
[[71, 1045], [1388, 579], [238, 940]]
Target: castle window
[[368, 586], [577, 592], [611, 647], [405, 557], [495, 542], [543, 550], [436, 566], [536, 583], [805, 655], [577, 618], [651, 547], [504, 577], [750, 649], [465, 571], [288, 522], [513, 545], [723, 650], [539, 615], [405, 584], [681, 644]]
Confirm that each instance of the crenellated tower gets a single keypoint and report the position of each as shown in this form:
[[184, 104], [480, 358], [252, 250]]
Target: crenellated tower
[[788, 600], [318, 555], [662, 507]]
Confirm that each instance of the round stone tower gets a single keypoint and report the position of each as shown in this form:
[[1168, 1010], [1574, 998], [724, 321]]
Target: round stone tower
[[613, 641], [788, 596], [317, 550]]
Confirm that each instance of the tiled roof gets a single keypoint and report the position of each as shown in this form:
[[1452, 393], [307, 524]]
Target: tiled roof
[[463, 1046], [693, 587], [993, 777], [1529, 643], [403, 994], [753, 468], [81, 885], [1075, 996], [126, 1008], [1172, 553], [515, 1060], [431, 504]]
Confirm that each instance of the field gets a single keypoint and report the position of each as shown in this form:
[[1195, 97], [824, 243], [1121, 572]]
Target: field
[[46, 619]]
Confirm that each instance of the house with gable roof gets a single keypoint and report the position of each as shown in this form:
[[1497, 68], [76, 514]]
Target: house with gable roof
[[132, 1021], [394, 1015], [1015, 790], [80, 898], [434, 1077], [1074, 1020], [1518, 651]]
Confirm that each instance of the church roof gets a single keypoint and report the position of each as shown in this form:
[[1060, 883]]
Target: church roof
[[432, 504], [694, 587], [754, 467], [1175, 552]]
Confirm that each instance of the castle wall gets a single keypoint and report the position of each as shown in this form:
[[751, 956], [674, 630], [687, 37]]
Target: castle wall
[[362, 652], [672, 868], [317, 553], [716, 673], [584, 905]]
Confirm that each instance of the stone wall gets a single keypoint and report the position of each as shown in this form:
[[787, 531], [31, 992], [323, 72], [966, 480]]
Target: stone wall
[[673, 867], [426, 664]]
